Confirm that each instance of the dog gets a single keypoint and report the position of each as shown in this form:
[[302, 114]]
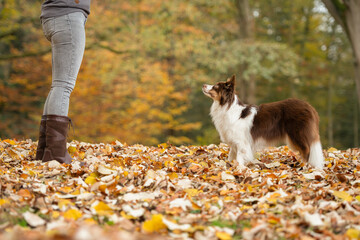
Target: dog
[[249, 128]]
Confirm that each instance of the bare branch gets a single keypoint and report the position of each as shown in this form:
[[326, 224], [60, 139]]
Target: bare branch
[[24, 55], [108, 48]]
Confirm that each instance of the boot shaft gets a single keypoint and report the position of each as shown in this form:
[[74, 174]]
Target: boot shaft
[[56, 133], [42, 139]]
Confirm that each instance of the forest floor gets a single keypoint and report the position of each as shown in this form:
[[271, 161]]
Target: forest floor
[[116, 191]]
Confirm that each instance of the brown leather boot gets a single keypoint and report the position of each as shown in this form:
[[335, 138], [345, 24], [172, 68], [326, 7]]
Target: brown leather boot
[[42, 139], [56, 132]]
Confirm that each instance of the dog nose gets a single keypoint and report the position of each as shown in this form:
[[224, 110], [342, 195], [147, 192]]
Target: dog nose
[[204, 86]]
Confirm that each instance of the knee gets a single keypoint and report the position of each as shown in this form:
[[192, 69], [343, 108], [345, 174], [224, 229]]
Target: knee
[[63, 91], [63, 86]]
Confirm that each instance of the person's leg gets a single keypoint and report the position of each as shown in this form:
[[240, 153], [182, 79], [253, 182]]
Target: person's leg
[[67, 36]]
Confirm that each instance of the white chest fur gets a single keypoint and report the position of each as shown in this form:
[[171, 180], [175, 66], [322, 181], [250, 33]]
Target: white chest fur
[[233, 130]]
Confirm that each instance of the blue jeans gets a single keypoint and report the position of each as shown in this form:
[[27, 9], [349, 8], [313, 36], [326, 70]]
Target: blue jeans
[[67, 36]]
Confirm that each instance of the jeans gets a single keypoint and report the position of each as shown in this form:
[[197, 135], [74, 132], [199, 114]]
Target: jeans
[[67, 36]]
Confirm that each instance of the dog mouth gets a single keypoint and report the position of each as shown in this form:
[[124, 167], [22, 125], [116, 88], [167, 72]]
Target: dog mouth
[[207, 92], [206, 89]]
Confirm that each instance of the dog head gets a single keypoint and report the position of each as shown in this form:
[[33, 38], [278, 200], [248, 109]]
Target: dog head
[[223, 92]]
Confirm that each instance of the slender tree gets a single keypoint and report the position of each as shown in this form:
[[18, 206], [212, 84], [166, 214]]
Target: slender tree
[[246, 33], [347, 14]]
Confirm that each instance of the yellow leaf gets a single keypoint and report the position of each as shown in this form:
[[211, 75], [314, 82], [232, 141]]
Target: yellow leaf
[[55, 214], [76, 192], [358, 198], [13, 154], [229, 198], [169, 163], [155, 224], [91, 179], [224, 192], [244, 207], [72, 214], [90, 221], [163, 145], [344, 196], [332, 149], [72, 150], [4, 201], [353, 233], [204, 164], [12, 142], [223, 236], [273, 198], [103, 209], [173, 175], [192, 192]]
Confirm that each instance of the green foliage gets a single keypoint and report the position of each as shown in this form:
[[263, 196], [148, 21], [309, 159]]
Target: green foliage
[[263, 60]]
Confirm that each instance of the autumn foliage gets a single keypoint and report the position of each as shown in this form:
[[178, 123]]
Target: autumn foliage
[[146, 60]]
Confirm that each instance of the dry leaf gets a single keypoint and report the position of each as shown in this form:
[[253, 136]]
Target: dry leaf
[[33, 219], [155, 224], [72, 214]]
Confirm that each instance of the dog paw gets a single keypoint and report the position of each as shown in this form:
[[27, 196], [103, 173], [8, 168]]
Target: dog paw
[[241, 168]]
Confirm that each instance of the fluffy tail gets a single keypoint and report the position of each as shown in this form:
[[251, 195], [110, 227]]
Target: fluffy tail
[[316, 158]]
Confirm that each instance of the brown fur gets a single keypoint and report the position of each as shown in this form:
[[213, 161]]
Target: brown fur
[[291, 119], [223, 92]]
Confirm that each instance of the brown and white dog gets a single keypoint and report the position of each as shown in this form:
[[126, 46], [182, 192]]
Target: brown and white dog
[[248, 128]]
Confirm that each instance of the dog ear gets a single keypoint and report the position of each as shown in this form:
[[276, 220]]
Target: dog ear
[[231, 81]]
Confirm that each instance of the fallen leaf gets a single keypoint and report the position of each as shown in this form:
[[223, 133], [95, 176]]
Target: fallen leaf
[[343, 196], [313, 220], [353, 233], [33, 219], [223, 236], [72, 214], [155, 224], [102, 209]]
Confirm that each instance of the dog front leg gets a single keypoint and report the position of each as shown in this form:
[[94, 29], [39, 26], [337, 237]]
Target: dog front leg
[[232, 153], [243, 154], [240, 158]]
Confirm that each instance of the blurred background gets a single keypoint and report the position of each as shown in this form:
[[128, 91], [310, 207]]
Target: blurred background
[[146, 60]]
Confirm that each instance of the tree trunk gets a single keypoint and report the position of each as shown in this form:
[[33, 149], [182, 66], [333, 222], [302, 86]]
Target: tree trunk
[[329, 114], [245, 20], [347, 14], [246, 33], [356, 125]]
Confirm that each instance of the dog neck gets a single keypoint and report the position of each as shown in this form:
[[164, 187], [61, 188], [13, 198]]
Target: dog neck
[[226, 113]]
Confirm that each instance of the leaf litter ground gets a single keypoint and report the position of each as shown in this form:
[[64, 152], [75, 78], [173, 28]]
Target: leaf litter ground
[[116, 191]]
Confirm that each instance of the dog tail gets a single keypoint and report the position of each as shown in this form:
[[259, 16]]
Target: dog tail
[[316, 158]]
